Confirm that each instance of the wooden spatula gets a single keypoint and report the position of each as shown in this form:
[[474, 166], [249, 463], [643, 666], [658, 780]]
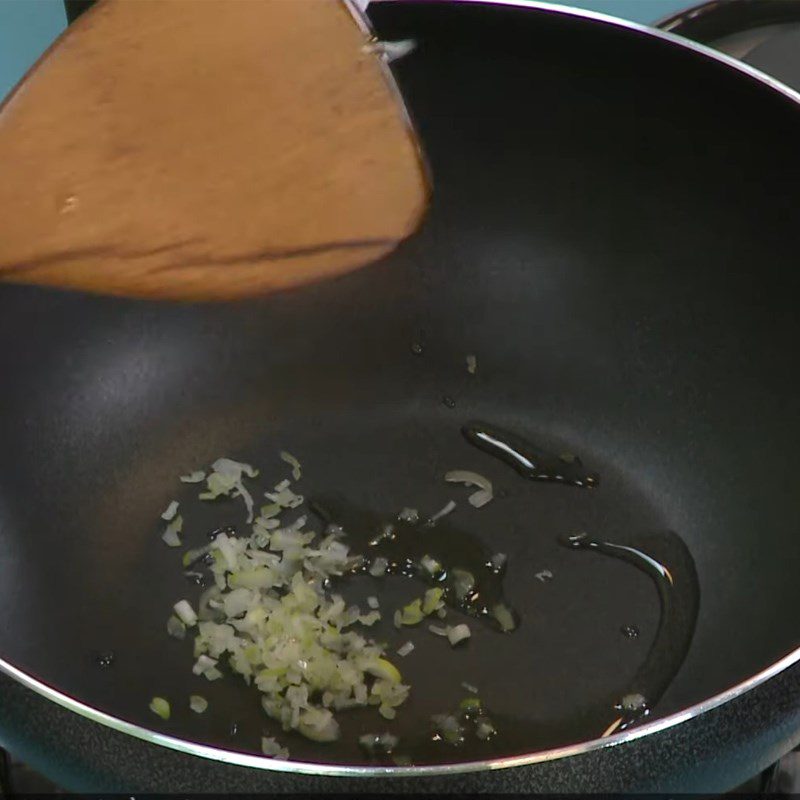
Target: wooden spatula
[[201, 149]]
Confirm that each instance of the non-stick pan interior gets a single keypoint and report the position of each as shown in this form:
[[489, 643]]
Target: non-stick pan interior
[[612, 237]]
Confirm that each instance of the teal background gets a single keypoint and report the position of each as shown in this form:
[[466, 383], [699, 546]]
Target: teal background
[[27, 27]]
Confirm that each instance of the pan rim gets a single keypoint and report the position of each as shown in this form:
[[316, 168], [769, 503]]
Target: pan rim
[[253, 760], [527, 759], [647, 30]]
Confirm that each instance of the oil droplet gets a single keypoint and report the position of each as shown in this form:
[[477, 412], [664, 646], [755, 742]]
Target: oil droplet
[[228, 530], [417, 348], [197, 578], [629, 631], [105, 659], [574, 540], [448, 401], [234, 728], [497, 563]]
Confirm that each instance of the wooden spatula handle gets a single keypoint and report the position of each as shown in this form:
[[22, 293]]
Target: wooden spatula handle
[[200, 150]]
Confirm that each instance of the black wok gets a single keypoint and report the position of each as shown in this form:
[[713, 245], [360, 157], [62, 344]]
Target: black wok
[[613, 235]]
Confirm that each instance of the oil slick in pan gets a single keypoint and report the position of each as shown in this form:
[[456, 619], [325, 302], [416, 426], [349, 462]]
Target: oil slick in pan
[[456, 561], [663, 556], [529, 461]]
